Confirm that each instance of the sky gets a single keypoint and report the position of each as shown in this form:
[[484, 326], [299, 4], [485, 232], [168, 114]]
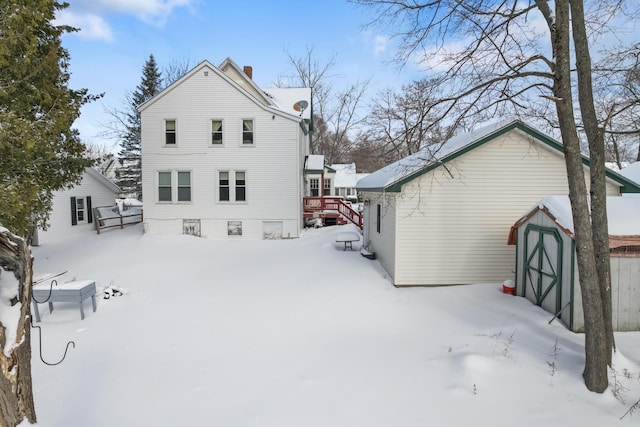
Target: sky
[[117, 37], [299, 332]]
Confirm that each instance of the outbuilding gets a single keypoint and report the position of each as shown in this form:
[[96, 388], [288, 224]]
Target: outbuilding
[[440, 216], [546, 268]]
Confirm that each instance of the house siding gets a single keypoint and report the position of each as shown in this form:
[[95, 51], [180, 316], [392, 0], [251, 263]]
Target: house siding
[[60, 220], [273, 163], [382, 243], [453, 222]]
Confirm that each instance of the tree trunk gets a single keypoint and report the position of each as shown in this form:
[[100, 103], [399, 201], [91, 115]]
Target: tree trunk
[[16, 394], [598, 188], [595, 371]]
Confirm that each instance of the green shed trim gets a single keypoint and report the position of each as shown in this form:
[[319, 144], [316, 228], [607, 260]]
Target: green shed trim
[[626, 185]]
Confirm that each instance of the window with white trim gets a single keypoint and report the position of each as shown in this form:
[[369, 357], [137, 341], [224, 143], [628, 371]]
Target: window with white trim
[[174, 186], [247, 132], [241, 187], [184, 186], [327, 186], [164, 186], [170, 132], [232, 186], [216, 132], [314, 187]]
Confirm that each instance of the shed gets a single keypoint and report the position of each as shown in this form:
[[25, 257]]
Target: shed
[[546, 268], [72, 211]]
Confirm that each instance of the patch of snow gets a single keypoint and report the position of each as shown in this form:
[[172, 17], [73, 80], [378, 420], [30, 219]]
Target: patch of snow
[[622, 213], [301, 333], [9, 315]]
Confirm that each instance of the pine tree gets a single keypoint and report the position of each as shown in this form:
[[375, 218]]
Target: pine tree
[[129, 176], [40, 152]]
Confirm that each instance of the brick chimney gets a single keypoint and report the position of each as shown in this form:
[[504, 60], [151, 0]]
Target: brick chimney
[[248, 70]]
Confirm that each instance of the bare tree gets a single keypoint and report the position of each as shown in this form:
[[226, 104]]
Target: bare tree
[[509, 56], [618, 102], [174, 71], [406, 121], [336, 114]]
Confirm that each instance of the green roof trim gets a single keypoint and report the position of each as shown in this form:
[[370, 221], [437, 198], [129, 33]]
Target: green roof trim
[[626, 185]]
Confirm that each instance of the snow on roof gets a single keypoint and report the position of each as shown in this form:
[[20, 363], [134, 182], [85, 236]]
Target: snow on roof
[[427, 156], [632, 172], [286, 97], [345, 175], [622, 213], [315, 162]]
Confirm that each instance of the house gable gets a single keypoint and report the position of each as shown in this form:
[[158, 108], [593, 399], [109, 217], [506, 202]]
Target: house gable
[[417, 166]]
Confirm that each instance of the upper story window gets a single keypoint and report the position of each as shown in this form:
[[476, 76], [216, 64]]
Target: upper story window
[[247, 132], [216, 132], [170, 132]]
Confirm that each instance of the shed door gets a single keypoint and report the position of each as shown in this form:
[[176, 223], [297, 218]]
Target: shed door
[[543, 267]]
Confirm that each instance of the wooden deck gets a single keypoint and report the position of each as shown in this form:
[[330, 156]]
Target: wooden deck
[[331, 210]]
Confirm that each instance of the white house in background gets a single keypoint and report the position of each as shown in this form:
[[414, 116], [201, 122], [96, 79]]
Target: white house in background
[[346, 180], [223, 158], [72, 211], [319, 178], [547, 270], [442, 216]]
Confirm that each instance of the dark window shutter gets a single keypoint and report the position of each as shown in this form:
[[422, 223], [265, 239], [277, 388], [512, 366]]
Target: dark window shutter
[[74, 215], [89, 210]]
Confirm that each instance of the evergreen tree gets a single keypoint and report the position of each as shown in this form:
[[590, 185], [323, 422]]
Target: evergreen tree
[[129, 176], [39, 150]]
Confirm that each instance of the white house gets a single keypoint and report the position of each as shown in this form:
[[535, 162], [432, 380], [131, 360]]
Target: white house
[[441, 216], [72, 211], [223, 158], [547, 270], [346, 180], [319, 177]]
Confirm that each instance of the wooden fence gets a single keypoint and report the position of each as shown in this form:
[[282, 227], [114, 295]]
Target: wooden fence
[[116, 220]]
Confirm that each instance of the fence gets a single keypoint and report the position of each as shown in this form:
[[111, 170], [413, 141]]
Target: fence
[[104, 221]]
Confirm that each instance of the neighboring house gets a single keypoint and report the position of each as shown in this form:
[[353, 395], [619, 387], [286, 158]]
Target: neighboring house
[[72, 211], [319, 178], [546, 265], [346, 180], [223, 158], [441, 216]]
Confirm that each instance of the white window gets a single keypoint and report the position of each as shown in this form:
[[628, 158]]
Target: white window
[[170, 132], [164, 186], [184, 186], [327, 187], [232, 186], [174, 185], [314, 187], [247, 132], [216, 132]]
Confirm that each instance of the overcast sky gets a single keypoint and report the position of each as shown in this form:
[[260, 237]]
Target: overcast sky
[[117, 36]]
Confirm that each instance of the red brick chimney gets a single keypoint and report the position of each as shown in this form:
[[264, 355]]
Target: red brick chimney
[[248, 70]]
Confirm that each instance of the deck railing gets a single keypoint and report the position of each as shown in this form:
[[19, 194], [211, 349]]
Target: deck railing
[[332, 204]]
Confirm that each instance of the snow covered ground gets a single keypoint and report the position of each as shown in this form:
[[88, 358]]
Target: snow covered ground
[[301, 333]]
